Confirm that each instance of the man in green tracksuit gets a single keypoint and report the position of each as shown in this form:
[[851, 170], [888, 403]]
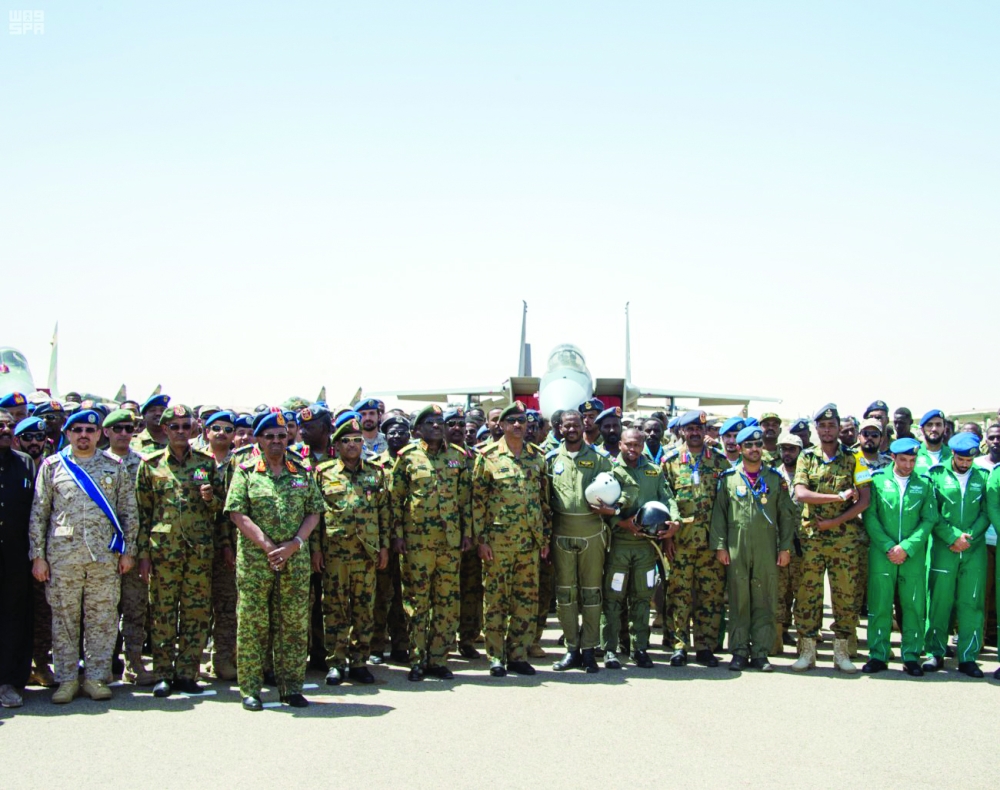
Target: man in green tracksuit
[[753, 523], [630, 569], [902, 513], [993, 511], [934, 450], [958, 556], [579, 539]]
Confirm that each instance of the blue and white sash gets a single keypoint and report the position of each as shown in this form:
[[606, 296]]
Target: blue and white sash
[[91, 489]]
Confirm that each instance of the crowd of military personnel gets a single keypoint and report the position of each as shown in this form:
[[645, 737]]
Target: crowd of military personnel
[[302, 535]]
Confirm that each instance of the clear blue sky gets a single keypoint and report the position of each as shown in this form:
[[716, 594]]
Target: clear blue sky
[[248, 201]]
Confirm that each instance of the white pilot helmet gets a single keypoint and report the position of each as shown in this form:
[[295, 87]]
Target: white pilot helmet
[[604, 488]]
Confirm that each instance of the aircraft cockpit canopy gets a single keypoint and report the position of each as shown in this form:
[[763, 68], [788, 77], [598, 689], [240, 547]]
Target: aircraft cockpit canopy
[[567, 356]]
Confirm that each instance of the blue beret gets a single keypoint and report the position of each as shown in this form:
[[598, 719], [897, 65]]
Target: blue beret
[[451, 414], [31, 408], [930, 416], [750, 433], [613, 411], [29, 424], [154, 400], [827, 412], [904, 447], [533, 415], [243, 421], [348, 422], [12, 400], [732, 424], [83, 417], [346, 416], [368, 404], [692, 417], [965, 444], [49, 407], [801, 424], [751, 421], [271, 419], [315, 412], [289, 415], [483, 432], [878, 405], [672, 423], [594, 404], [221, 416]]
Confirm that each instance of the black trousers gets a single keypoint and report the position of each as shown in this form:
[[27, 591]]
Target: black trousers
[[15, 614]]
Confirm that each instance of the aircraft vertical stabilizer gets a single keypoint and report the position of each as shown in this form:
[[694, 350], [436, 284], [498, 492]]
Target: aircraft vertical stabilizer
[[53, 382]]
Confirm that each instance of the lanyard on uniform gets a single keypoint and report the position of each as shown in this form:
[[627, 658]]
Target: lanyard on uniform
[[695, 474], [761, 500]]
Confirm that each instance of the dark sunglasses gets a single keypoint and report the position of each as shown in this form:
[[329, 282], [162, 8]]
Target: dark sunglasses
[[51, 417], [179, 426], [83, 429], [455, 423], [273, 437], [222, 428], [516, 420], [352, 440], [871, 434], [753, 443], [32, 437], [123, 428]]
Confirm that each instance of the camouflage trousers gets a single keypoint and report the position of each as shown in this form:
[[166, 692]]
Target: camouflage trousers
[[348, 598], [510, 582], [430, 596], [789, 579], [223, 609], [135, 611], [579, 568], [695, 595], [836, 556], [388, 613], [861, 577], [629, 581], [90, 589], [267, 597], [180, 603], [42, 619], [470, 621], [546, 585]]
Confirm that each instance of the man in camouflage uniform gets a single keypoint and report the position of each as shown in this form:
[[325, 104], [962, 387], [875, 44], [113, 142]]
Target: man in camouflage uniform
[[831, 484], [179, 495], [275, 504], [697, 581], [789, 577], [770, 425], [75, 547], [580, 539], [432, 512], [55, 415], [389, 615], [353, 542], [753, 521], [119, 428], [630, 569], [152, 438], [510, 522]]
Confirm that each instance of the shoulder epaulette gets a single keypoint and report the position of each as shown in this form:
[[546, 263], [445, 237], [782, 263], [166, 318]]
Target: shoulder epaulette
[[243, 450], [196, 451], [156, 454], [460, 447], [324, 464], [719, 453], [552, 453], [670, 455], [111, 456], [730, 471], [247, 465], [407, 448], [599, 449]]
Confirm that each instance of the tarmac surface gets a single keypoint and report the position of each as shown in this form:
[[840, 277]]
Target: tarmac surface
[[689, 726]]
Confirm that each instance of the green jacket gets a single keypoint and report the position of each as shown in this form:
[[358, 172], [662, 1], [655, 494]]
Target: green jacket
[[893, 521], [569, 478], [993, 497], [652, 486], [959, 513], [925, 462], [736, 508]]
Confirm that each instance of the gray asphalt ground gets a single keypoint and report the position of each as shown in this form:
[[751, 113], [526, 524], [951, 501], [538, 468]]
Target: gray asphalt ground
[[691, 726]]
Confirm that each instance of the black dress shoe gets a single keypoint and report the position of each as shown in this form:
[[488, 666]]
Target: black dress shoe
[[970, 668], [912, 668], [468, 651], [335, 676], [497, 669], [761, 663], [561, 640], [270, 679], [949, 652], [572, 660], [788, 639], [416, 673], [441, 672], [996, 674], [521, 667], [252, 703], [295, 701], [873, 665], [589, 661], [611, 661], [738, 663], [706, 657], [399, 657], [933, 664], [679, 658], [162, 689], [117, 666], [188, 686], [642, 659], [361, 675], [376, 659]]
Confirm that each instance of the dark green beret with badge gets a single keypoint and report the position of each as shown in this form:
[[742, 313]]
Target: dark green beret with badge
[[515, 409], [175, 412], [117, 416], [346, 429], [428, 411]]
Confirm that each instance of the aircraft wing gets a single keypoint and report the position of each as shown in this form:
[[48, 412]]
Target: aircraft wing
[[441, 395], [705, 398]]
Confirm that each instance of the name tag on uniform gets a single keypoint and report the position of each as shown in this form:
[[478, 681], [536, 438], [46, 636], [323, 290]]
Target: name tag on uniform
[[161, 528], [864, 476], [420, 474], [585, 464], [63, 532], [652, 473], [335, 488]]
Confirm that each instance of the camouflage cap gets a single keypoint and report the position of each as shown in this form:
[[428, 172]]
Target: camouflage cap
[[295, 403], [769, 415]]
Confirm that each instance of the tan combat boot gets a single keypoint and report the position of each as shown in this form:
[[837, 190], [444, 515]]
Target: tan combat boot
[[536, 651], [136, 672], [42, 675], [223, 667], [95, 689], [778, 648], [841, 659], [66, 692], [807, 654]]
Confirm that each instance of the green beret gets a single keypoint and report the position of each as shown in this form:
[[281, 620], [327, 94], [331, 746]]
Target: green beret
[[348, 427], [426, 412], [117, 416], [513, 410], [295, 403], [175, 411]]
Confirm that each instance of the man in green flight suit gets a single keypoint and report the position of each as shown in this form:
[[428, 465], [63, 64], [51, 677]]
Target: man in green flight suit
[[275, 504], [753, 523], [580, 540], [934, 450], [630, 569], [958, 556], [902, 513]]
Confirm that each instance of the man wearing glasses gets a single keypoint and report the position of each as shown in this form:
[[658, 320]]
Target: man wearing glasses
[[315, 425], [30, 436], [82, 535], [153, 437], [352, 544], [431, 527], [275, 504], [55, 418], [16, 405], [179, 496]]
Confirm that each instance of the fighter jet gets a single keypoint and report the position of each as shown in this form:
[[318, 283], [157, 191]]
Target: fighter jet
[[567, 383], [15, 375]]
